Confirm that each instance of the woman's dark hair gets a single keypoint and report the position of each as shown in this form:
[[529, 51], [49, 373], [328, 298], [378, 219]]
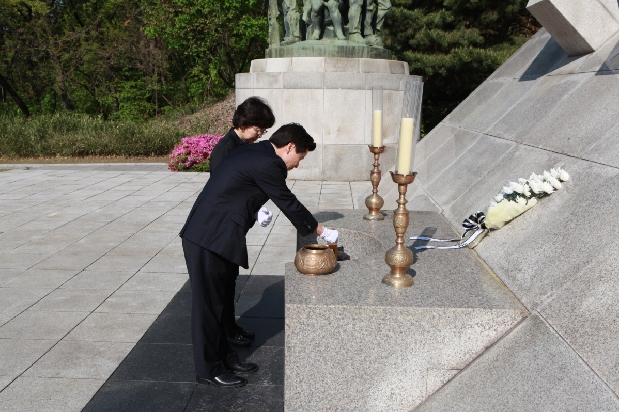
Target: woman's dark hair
[[254, 111], [293, 133]]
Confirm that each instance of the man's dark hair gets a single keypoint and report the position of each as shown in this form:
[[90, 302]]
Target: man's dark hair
[[255, 111], [293, 133]]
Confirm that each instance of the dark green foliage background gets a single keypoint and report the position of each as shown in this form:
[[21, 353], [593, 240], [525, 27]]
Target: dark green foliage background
[[97, 71], [455, 45]]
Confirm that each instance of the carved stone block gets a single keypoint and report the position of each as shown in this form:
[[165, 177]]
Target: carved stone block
[[580, 27]]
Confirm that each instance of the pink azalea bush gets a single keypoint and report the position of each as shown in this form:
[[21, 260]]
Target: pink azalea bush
[[192, 153]]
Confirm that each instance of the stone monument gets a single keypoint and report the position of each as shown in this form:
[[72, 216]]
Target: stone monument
[[319, 72], [542, 108]]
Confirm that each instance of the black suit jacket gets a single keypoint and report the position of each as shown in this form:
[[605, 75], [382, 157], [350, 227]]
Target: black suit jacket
[[227, 144], [241, 184]]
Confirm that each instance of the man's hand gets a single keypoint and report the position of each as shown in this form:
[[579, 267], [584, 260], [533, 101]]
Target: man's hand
[[264, 216], [330, 235]]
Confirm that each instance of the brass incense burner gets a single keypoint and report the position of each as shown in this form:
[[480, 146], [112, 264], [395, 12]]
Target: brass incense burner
[[374, 202], [315, 260], [400, 258]]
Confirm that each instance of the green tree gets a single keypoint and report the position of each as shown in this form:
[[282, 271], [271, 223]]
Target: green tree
[[85, 55], [455, 45], [215, 39]]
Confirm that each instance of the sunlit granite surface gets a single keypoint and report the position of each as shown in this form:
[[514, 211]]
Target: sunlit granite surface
[[353, 343]]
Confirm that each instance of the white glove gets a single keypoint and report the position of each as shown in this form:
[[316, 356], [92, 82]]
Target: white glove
[[264, 216], [330, 235]]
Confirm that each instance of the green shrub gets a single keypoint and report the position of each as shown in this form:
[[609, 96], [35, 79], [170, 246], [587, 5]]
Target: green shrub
[[72, 134]]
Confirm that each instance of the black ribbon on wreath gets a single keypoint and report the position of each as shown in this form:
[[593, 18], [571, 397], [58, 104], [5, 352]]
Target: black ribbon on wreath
[[474, 226]]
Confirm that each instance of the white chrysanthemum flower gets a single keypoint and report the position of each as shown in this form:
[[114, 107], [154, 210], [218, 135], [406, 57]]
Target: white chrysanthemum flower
[[536, 186], [522, 181], [563, 175], [547, 187], [547, 175], [555, 183], [498, 197], [554, 173], [527, 190], [516, 187], [535, 178], [507, 190]]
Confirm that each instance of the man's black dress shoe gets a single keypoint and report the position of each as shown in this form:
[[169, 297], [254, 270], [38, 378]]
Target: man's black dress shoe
[[243, 367], [225, 380], [238, 340]]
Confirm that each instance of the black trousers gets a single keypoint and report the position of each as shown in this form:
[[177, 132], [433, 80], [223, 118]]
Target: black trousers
[[213, 280]]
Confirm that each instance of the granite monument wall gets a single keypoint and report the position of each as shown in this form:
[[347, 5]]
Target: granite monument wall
[[539, 110]]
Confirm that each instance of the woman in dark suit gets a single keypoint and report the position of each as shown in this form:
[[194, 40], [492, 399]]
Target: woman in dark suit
[[249, 123]]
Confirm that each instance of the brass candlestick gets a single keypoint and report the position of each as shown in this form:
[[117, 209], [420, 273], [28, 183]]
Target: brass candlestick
[[374, 202], [399, 258]]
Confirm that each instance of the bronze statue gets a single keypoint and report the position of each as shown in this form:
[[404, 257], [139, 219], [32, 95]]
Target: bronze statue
[[320, 14]]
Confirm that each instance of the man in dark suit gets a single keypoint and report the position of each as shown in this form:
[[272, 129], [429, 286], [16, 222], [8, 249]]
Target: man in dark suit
[[249, 122], [214, 240]]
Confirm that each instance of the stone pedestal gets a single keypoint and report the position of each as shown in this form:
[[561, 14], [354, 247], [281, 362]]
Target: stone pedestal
[[355, 344], [331, 97], [330, 48]]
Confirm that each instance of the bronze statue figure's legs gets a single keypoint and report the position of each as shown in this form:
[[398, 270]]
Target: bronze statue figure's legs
[[315, 27], [336, 18], [369, 14], [274, 28], [306, 14], [285, 12], [354, 21], [384, 6], [291, 22]]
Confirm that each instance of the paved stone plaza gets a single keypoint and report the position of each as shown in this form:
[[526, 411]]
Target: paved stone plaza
[[90, 257]]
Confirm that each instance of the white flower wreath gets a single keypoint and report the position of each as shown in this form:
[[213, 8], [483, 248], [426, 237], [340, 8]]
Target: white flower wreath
[[513, 200]]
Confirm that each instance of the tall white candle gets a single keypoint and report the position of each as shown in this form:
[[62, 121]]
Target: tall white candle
[[377, 128], [407, 125]]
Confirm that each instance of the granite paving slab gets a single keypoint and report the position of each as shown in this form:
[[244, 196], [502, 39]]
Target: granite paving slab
[[112, 327], [33, 324], [71, 300], [141, 396], [80, 360], [48, 394], [17, 355]]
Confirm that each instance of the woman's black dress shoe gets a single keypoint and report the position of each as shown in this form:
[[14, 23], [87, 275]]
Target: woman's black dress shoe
[[239, 340], [225, 380], [243, 367], [245, 333]]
